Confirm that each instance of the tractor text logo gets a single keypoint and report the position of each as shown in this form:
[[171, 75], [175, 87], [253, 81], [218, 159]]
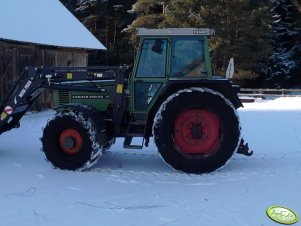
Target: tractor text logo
[[23, 91], [282, 215]]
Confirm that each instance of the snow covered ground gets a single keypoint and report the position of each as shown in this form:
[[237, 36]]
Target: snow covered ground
[[132, 187]]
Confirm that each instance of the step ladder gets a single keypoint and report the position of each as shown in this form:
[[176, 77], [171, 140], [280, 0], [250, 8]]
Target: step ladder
[[136, 128]]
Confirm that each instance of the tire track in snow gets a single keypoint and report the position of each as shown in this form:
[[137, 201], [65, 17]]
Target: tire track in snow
[[132, 168]]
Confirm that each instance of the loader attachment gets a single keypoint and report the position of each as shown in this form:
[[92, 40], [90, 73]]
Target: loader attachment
[[35, 80], [20, 97]]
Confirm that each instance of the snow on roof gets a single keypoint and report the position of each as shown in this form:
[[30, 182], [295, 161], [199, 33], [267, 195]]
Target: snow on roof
[[45, 22]]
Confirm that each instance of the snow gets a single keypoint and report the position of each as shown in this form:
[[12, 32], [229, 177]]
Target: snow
[[45, 22], [135, 187], [290, 104]]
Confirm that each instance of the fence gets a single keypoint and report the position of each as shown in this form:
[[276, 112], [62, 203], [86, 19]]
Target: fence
[[249, 95], [269, 92]]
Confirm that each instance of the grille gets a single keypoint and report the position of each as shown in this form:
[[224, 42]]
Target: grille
[[64, 97]]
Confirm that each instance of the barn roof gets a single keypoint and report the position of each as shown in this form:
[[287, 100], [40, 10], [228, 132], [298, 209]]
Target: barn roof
[[45, 22]]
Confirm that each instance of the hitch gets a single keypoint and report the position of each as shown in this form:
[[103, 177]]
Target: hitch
[[244, 149]]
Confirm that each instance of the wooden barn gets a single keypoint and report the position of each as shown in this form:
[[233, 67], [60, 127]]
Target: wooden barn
[[28, 39]]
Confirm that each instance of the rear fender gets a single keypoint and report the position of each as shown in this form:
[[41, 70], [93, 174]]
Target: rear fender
[[223, 86]]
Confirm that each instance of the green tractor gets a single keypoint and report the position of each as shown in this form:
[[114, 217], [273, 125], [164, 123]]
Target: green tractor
[[169, 93]]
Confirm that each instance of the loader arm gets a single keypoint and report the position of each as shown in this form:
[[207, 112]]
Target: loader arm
[[35, 80]]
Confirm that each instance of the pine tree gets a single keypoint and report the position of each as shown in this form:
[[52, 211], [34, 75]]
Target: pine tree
[[241, 30], [184, 13], [149, 14], [71, 5], [106, 20], [297, 4], [284, 66]]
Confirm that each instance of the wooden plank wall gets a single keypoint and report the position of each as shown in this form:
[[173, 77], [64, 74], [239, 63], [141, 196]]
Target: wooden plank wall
[[14, 57]]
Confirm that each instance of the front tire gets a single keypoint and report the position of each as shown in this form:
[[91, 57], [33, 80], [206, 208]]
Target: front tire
[[196, 130], [70, 141]]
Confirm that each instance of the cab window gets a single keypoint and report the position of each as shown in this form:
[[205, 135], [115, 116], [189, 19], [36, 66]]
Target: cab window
[[152, 61], [188, 57]]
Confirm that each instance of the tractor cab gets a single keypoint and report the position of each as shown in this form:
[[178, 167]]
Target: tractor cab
[[168, 54], [173, 52]]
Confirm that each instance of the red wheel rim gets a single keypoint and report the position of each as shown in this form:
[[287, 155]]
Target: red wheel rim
[[70, 141], [196, 131]]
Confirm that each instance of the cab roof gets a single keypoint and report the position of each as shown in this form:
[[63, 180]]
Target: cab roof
[[175, 32]]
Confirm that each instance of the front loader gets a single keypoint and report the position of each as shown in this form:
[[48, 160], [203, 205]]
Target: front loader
[[169, 93]]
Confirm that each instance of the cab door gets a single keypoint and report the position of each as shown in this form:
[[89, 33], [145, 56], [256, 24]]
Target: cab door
[[151, 70]]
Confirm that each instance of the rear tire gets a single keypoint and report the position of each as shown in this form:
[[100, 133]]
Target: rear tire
[[196, 130], [70, 141]]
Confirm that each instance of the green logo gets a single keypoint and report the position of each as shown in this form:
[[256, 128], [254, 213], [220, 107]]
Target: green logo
[[282, 215]]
